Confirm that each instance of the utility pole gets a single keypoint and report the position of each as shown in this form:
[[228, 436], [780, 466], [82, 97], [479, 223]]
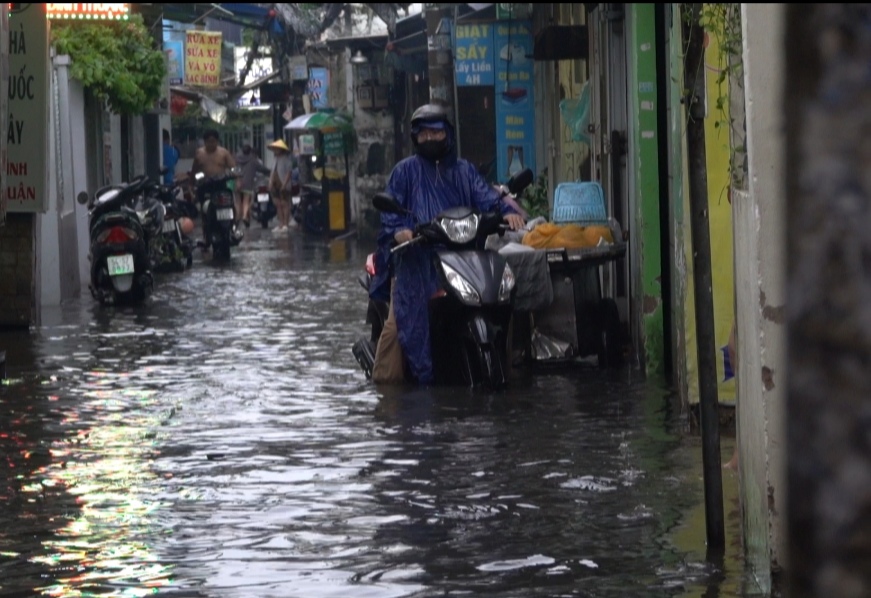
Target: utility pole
[[439, 22], [693, 36]]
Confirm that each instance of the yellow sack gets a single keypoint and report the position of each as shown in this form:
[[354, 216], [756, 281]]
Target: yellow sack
[[569, 236]]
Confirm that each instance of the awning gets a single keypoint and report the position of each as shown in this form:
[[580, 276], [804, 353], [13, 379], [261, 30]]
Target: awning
[[260, 81]]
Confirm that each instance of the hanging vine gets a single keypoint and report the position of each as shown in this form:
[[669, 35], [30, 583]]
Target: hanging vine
[[116, 61], [723, 21]]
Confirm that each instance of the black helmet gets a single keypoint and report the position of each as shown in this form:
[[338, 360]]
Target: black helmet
[[428, 113]]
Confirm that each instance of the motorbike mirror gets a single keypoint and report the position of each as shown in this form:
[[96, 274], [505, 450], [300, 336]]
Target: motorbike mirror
[[164, 171], [385, 203], [520, 181], [82, 197]]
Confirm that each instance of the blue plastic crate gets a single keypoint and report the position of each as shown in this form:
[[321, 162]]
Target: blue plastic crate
[[580, 202]]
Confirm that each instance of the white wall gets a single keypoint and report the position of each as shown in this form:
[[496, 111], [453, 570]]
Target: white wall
[[79, 179], [758, 227]]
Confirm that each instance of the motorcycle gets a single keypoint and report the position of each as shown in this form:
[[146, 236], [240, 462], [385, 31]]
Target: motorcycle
[[469, 315], [219, 214], [263, 208], [120, 265], [171, 250]]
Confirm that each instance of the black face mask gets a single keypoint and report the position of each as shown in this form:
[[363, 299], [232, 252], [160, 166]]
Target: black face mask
[[432, 149]]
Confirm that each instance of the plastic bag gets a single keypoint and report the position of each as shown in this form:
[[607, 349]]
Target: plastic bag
[[575, 113], [568, 236]]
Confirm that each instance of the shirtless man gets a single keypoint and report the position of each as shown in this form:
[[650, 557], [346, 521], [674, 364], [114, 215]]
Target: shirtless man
[[212, 160]]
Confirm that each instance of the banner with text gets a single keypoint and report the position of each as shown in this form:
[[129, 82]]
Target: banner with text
[[473, 54], [318, 86], [27, 130], [203, 58], [515, 105]]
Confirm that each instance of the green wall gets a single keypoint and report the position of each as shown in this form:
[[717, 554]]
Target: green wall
[[643, 82]]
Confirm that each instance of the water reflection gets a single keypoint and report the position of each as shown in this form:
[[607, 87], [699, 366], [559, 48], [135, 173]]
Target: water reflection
[[221, 441]]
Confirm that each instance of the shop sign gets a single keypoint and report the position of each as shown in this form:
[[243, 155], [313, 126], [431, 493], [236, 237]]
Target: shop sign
[[174, 50], [334, 144], [515, 108], [88, 11], [298, 68], [318, 86], [307, 144], [27, 119], [473, 54], [513, 10], [203, 58]]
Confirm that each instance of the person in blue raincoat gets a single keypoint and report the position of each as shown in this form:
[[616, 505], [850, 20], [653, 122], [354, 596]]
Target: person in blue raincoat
[[427, 183]]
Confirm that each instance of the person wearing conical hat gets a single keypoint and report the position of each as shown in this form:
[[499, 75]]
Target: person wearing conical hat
[[281, 183]]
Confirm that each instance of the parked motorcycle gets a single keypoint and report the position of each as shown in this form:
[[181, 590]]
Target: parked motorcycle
[[219, 214], [469, 315], [171, 250], [120, 265]]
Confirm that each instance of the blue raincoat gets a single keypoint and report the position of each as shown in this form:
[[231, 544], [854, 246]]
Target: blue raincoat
[[426, 188]]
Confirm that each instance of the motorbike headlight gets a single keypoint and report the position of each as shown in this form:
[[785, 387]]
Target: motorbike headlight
[[461, 285], [143, 215], [507, 284], [460, 230]]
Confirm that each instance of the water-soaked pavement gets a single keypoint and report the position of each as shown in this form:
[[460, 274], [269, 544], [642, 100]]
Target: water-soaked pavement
[[221, 441]]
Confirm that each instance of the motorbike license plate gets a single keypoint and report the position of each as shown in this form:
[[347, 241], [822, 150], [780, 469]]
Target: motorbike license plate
[[169, 226], [119, 265], [224, 213], [262, 197]]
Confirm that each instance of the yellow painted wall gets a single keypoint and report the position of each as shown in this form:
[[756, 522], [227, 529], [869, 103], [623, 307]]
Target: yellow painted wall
[[720, 216]]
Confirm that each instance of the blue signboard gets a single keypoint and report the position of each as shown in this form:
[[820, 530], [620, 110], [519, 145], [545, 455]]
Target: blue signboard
[[318, 85], [473, 54], [515, 105], [174, 61]]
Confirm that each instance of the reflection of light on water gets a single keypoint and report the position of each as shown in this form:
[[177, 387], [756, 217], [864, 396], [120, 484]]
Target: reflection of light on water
[[105, 468]]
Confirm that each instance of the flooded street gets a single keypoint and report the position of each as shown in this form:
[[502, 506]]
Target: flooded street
[[221, 441]]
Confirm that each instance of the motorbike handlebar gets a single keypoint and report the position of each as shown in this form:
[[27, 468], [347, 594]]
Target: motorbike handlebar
[[403, 245], [420, 235]]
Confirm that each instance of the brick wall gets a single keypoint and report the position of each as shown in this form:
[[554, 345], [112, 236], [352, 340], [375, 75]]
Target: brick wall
[[17, 285]]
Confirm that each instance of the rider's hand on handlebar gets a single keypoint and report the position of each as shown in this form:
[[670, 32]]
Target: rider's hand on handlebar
[[515, 221], [403, 235]]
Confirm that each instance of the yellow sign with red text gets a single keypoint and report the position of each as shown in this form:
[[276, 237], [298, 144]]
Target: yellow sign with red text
[[203, 59]]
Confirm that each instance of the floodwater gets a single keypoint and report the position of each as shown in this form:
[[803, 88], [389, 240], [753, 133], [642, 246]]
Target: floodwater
[[220, 441]]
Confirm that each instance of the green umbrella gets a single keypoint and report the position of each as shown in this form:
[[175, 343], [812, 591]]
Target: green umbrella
[[329, 123], [326, 122]]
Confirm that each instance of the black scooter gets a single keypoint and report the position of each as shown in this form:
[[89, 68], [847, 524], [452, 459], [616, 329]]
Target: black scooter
[[171, 249], [119, 256], [219, 214], [262, 207], [469, 316]]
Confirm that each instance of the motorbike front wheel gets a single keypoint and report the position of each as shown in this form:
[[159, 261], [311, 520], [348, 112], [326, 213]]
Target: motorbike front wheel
[[221, 251], [482, 366]]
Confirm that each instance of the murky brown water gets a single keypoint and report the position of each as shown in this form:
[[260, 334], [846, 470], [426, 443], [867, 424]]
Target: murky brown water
[[221, 441]]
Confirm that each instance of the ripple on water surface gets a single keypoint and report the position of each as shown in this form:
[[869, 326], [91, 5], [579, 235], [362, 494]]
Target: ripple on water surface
[[221, 441]]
